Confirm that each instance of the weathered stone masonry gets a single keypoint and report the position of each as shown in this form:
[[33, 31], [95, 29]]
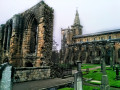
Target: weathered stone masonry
[[31, 73], [26, 38]]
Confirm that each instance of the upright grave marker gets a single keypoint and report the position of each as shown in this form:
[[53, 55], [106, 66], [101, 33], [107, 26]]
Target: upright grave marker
[[117, 73], [6, 77], [104, 82], [78, 78]]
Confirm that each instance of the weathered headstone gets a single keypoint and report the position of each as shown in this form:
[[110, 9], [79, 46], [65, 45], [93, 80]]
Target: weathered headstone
[[78, 78], [87, 70], [104, 82], [6, 77], [101, 65], [111, 62], [113, 67], [117, 73]]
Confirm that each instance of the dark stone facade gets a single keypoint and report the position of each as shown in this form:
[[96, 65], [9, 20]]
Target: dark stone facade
[[27, 37]]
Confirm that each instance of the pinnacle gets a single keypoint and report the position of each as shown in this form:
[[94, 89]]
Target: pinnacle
[[77, 20]]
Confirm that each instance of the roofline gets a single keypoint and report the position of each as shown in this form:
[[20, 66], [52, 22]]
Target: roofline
[[97, 33], [97, 42]]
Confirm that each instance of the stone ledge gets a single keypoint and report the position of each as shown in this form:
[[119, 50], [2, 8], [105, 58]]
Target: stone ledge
[[32, 68]]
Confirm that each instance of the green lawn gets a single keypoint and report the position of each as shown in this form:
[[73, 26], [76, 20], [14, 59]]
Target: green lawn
[[84, 88], [85, 66], [97, 76], [94, 74]]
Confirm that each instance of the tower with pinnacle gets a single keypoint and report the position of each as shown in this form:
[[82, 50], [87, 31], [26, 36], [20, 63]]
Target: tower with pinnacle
[[68, 33], [77, 28], [67, 39]]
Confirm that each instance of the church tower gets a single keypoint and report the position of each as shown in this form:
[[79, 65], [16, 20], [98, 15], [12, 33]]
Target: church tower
[[77, 28]]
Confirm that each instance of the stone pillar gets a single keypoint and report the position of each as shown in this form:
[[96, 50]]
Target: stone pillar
[[78, 78], [69, 55], [41, 42], [1, 42], [86, 57], [66, 55], [5, 39], [26, 42], [103, 54], [45, 37], [93, 54], [111, 57], [114, 56], [79, 53], [14, 41], [104, 82], [1, 37], [9, 36], [75, 81], [73, 55]]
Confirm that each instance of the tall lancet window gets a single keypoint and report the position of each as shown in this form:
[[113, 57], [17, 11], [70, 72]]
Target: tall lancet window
[[33, 41]]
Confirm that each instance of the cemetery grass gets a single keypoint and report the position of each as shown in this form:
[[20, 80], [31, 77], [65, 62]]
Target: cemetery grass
[[97, 75], [85, 66], [84, 88]]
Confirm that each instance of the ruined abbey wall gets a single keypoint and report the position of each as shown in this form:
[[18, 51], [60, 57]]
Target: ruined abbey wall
[[26, 38], [31, 73]]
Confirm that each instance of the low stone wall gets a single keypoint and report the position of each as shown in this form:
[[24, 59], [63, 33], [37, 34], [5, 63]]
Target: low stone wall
[[31, 73]]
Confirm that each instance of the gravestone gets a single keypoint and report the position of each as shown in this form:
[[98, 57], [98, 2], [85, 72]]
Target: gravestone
[[113, 67], [104, 82], [6, 77], [78, 78], [87, 70], [117, 73], [101, 62], [111, 62]]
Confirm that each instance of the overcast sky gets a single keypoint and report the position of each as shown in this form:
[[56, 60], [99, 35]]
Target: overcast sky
[[95, 15]]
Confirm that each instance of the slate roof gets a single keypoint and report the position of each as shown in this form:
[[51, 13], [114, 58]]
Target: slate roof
[[98, 33]]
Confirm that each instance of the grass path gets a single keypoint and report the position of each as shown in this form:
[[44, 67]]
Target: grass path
[[94, 68], [73, 71]]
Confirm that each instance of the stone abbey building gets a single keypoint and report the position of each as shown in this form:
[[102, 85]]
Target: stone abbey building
[[89, 48], [26, 38]]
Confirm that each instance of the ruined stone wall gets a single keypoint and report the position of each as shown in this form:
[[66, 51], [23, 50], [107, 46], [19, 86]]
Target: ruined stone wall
[[1, 41], [27, 37], [45, 37], [31, 73], [15, 40]]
